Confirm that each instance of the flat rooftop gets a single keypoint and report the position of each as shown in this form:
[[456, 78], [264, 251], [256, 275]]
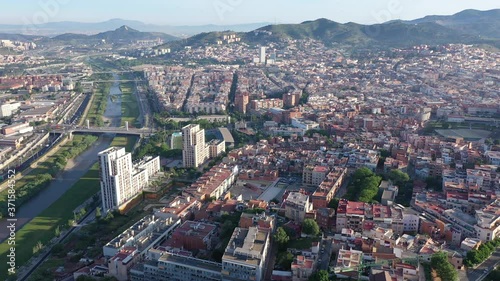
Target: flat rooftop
[[189, 261], [246, 246]]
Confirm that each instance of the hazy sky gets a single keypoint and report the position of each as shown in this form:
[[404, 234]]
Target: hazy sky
[[221, 12]]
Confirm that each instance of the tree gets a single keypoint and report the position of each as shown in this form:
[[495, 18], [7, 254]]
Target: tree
[[363, 186], [444, 269], [398, 177], [284, 260], [321, 275], [227, 229], [281, 237], [334, 203], [58, 249], [310, 227], [98, 212]]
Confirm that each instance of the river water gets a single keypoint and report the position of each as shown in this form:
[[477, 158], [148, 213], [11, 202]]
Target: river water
[[75, 169]]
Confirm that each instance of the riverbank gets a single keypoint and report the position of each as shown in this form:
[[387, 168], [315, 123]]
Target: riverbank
[[42, 229]]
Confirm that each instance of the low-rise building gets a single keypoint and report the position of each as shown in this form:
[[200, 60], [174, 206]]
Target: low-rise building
[[143, 235], [120, 264], [192, 235], [170, 266], [246, 255]]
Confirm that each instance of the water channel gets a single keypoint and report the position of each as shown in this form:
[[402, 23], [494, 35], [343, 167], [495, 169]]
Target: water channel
[[74, 170]]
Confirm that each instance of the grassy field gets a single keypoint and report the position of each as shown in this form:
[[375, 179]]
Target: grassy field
[[302, 243], [177, 143], [42, 228], [127, 142], [100, 99], [130, 108], [87, 242]]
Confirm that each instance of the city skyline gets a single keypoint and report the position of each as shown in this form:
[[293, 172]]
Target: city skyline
[[228, 12]]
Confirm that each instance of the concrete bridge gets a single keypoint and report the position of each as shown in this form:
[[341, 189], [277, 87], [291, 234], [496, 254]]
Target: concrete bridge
[[142, 132]]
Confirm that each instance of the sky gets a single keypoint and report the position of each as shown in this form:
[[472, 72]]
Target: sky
[[225, 12]]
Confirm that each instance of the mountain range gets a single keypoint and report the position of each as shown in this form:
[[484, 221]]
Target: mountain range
[[57, 28], [123, 34], [468, 27]]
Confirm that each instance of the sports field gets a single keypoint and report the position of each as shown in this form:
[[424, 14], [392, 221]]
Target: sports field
[[467, 134]]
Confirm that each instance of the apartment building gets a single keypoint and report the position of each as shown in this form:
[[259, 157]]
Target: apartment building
[[246, 255], [143, 235], [314, 175], [216, 148], [328, 187], [193, 235], [120, 179], [296, 206], [121, 263], [194, 149], [488, 222], [7, 109], [172, 266], [351, 215]]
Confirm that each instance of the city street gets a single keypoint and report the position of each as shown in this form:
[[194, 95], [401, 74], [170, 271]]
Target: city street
[[484, 269]]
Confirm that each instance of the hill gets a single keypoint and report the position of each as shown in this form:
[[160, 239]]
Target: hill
[[482, 23], [58, 28], [121, 35], [468, 27], [395, 34]]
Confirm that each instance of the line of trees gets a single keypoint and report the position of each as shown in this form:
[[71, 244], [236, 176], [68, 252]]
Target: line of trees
[[39, 182], [27, 191], [76, 147], [482, 253], [363, 186]]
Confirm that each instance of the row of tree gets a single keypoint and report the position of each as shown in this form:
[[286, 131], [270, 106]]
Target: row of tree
[[74, 148], [26, 191], [482, 253], [39, 182]]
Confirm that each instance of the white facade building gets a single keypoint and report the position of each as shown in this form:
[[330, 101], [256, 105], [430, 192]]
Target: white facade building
[[120, 179], [194, 149], [6, 110], [262, 55]]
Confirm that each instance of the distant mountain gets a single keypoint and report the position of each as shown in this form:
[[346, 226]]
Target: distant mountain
[[124, 34], [391, 34], [57, 28], [469, 27], [482, 23], [18, 37]]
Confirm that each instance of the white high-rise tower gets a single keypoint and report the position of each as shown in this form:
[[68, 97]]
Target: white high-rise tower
[[262, 55], [194, 149], [120, 179]]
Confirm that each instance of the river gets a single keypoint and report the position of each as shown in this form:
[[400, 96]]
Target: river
[[74, 170]]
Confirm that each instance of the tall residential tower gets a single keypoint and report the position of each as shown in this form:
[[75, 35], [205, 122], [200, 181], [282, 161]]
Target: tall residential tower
[[194, 149], [120, 179]]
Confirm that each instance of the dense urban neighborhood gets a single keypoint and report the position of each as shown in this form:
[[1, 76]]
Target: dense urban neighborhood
[[274, 154]]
